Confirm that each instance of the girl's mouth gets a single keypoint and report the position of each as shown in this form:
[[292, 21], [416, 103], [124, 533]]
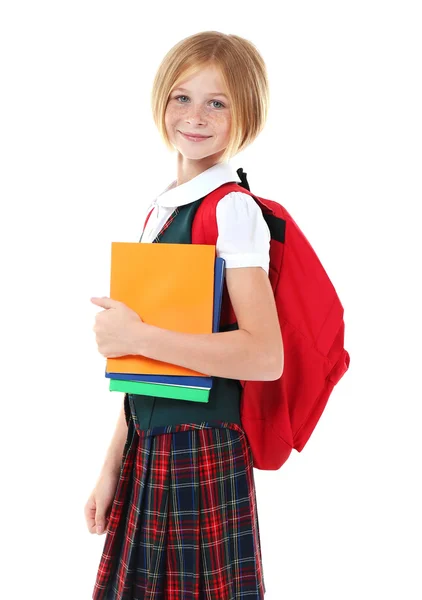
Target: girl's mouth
[[194, 138]]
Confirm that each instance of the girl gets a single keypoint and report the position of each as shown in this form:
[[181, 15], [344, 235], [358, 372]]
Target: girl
[[180, 507]]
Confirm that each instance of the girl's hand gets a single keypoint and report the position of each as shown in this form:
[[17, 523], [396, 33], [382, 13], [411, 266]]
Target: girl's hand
[[98, 507], [117, 329]]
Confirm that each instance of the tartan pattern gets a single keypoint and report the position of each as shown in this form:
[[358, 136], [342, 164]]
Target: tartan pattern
[[165, 226], [184, 522]]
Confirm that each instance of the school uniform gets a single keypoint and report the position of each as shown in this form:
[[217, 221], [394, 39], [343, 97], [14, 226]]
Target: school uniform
[[184, 521]]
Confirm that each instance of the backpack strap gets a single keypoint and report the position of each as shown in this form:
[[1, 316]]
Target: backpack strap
[[146, 221], [205, 231]]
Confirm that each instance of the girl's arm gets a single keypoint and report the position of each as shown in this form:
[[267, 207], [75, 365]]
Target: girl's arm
[[114, 454], [254, 352]]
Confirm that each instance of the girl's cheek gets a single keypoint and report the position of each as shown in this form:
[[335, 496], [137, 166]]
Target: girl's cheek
[[170, 113], [221, 118]]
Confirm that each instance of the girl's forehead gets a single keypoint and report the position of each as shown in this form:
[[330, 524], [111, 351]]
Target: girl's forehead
[[209, 73]]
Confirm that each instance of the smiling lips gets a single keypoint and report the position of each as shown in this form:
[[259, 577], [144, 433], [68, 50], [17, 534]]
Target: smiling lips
[[195, 137]]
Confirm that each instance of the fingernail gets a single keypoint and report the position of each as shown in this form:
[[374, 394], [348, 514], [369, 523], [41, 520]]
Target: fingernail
[[99, 529]]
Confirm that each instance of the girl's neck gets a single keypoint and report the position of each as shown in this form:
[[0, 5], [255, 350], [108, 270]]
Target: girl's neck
[[188, 168]]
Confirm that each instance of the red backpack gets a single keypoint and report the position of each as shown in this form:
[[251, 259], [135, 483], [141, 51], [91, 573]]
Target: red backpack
[[280, 415]]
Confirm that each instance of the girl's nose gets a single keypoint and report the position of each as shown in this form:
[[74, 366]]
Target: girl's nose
[[196, 114]]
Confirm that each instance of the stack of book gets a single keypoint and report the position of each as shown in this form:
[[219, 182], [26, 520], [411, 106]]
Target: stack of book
[[173, 286]]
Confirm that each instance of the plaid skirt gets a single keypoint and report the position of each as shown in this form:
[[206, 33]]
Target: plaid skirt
[[184, 521]]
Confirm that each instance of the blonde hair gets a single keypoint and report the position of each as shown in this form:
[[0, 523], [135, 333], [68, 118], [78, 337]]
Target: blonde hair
[[243, 71]]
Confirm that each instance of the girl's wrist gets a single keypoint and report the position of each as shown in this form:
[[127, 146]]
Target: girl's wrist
[[144, 338]]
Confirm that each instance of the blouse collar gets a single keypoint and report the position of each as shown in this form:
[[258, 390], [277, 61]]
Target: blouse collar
[[198, 186]]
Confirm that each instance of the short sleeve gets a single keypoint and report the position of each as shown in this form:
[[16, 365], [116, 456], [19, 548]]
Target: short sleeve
[[243, 234]]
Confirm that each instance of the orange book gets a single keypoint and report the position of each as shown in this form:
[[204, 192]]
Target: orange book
[[168, 285]]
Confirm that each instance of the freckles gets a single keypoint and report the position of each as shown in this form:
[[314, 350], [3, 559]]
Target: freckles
[[219, 122], [220, 119], [171, 113]]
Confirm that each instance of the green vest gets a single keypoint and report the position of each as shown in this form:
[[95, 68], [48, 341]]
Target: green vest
[[224, 398]]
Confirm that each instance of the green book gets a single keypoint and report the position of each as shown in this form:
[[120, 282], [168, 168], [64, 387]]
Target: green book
[[177, 392]]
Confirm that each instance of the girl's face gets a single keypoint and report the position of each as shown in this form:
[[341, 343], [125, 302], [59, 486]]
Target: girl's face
[[199, 105]]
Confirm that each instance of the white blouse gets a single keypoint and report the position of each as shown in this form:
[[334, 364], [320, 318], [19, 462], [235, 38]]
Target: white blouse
[[243, 234]]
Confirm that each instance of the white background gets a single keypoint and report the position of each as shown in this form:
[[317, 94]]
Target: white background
[[80, 162]]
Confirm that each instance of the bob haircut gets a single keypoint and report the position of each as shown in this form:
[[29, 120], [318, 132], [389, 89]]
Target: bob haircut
[[243, 71]]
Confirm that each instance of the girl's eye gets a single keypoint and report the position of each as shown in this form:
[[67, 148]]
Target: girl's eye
[[217, 101]]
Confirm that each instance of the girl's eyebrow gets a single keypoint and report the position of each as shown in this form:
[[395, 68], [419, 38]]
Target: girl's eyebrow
[[210, 94]]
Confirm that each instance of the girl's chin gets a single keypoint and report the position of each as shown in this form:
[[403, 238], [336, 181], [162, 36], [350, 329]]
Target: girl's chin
[[193, 150]]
